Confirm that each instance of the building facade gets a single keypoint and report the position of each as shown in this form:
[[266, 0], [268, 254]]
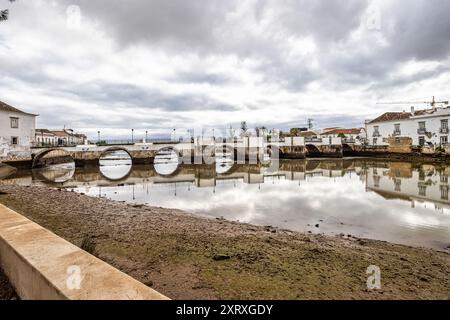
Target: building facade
[[354, 135], [65, 137], [17, 131], [425, 127], [45, 137]]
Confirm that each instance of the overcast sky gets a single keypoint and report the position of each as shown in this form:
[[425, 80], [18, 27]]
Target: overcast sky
[[162, 64]]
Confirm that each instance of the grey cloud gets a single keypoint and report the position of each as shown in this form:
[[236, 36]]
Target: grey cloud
[[131, 95], [419, 30], [201, 78], [189, 23]]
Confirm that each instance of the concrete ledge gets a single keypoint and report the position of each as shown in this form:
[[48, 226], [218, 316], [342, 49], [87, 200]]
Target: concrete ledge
[[43, 266]]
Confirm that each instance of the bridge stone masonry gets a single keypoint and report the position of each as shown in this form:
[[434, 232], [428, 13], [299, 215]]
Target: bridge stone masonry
[[199, 151]]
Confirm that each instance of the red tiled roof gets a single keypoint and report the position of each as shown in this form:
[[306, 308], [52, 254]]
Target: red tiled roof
[[7, 107], [60, 133], [343, 131], [46, 131], [392, 116]]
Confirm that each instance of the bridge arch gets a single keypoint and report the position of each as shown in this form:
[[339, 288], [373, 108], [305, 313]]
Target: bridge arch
[[274, 150], [117, 174], [312, 150], [112, 149], [173, 167], [347, 150], [312, 165], [226, 162], [123, 177], [37, 157]]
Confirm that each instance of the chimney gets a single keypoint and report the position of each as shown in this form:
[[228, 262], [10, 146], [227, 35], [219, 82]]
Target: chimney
[[412, 110]]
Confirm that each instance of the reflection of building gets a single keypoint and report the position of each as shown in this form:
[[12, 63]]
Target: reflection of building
[[401, 181], [424, 127], [16, 131]]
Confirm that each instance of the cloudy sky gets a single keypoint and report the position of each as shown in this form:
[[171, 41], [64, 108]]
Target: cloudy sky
[[155, 65]]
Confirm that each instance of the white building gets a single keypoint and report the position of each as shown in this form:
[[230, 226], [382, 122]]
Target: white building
[[349, 135], [425, 127], [16, 131], [68, 137], [45, 137]]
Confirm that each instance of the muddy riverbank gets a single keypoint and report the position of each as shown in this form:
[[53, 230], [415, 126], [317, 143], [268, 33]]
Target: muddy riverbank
[[7, 292], [187, 257]]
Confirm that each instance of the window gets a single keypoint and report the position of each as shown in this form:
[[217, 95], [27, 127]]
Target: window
[[397, 129], [444, 124], [376, 181], [422, 190], [375, 141], [14, 141], [376, 131], [421, 141], [444, 178], [14, 122], [444, 140], [422, 125], [444, 192], [421, 175], [398, 185]]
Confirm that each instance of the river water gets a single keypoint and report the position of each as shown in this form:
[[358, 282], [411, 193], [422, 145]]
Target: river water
[[399, 202]]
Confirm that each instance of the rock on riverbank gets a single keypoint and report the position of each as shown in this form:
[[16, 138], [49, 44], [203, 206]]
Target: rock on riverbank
[[187, 257]]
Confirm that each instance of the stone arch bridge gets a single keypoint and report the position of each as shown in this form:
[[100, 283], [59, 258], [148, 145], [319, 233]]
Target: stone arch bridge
[[244, 149]]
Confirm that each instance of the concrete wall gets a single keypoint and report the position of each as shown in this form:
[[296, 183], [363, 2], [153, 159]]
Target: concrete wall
[[400, 145], [43, 266]]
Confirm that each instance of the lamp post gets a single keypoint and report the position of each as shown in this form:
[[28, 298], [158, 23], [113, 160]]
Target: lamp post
[[174, 130], [132, 136], [146, 136], [98, 137]]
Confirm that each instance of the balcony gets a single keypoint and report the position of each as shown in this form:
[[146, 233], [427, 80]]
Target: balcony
[[397, 133], [376, 134], [313, 140], [444, 130], [422, 131], [349, 141]]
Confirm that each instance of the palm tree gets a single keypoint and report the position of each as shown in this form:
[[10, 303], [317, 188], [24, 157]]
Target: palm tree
[[4, 15]]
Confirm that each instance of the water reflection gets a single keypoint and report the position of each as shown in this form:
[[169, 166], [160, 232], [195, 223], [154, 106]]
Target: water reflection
[[166, 162], [394, 201], [115, 165]]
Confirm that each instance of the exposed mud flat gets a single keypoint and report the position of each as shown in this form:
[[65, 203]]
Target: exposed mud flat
[[187, 257], [7, 292]]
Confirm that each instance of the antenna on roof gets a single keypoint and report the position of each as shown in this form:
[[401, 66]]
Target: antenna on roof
[[432, 103]]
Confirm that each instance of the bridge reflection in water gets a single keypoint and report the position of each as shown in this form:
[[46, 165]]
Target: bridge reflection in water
[[398, 202]]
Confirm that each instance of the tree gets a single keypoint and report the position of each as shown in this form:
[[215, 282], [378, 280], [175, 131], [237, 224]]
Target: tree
[[244, 127], [4, 14]]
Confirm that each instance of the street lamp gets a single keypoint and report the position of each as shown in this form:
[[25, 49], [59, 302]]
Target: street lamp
[[132, 136], [98, 137], [146, 136], [174, 130]]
